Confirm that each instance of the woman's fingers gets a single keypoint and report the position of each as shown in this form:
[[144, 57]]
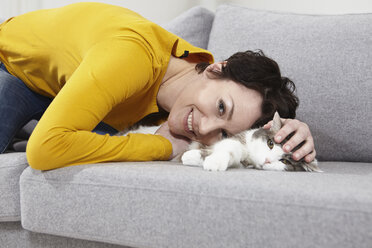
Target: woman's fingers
[[310, 157], [305, 150], [301, 134]]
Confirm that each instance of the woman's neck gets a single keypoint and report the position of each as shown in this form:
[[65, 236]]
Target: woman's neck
[[179, 74]]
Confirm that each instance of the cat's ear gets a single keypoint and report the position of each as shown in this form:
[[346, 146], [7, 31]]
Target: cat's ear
[[277, 123]]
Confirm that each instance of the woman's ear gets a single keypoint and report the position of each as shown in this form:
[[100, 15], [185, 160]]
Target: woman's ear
[[216, 67]]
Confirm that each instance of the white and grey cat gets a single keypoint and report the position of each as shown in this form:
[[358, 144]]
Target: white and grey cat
[[253, 148]]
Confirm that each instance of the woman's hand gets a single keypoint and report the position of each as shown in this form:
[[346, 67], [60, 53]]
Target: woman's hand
[[179, 143], [301, 133]]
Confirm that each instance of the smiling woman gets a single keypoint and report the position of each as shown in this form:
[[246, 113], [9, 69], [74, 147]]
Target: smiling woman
[[215, 108], [117, 69], [213, 101], [257, 72], [225, 98]]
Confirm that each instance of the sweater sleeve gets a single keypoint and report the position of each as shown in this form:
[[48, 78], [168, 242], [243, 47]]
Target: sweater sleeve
[[110, 73]]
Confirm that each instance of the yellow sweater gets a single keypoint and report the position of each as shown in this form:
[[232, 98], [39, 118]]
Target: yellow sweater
[[101, 63]]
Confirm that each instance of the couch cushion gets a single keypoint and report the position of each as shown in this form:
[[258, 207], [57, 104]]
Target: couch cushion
[[160, 204], [12, 235], [194, 26], [11, 167], [328, 58]]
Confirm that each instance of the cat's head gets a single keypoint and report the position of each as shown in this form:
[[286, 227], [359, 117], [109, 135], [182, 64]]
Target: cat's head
[[266, 154]]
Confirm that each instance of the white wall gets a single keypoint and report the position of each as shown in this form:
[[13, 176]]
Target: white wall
[[161, 11]]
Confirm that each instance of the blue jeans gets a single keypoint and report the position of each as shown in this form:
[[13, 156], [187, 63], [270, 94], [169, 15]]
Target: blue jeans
[[19, 105]]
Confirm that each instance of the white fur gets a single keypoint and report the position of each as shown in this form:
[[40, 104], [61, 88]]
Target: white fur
[[277, 166], [231, 152], [225, 153], [140, 129], [192, 157], [146, 129], [258, 151]]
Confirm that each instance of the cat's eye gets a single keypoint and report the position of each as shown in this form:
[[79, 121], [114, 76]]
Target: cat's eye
[[270, 143], [285, 161], [221, 107]]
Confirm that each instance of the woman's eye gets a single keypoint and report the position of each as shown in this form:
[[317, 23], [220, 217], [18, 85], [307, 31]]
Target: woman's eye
[[221, 107], [224, 134], [270, 143]]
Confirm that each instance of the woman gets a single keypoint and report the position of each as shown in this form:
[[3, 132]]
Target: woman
[[96, 67]]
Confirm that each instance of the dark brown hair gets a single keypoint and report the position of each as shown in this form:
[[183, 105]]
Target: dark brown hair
[[256, 71]]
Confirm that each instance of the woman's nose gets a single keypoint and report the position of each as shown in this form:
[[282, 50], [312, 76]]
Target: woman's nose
[[208, 126]]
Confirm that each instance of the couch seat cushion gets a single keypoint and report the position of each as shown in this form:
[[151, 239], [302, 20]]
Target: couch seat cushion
[[329, 59], [11, 168], [161, 204]]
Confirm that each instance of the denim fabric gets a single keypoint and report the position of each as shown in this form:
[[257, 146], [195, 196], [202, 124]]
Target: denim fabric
[[19, 105], [103, 128]]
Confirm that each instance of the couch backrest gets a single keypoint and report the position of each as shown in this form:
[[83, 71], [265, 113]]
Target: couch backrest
[[328, 57], [194, 26]]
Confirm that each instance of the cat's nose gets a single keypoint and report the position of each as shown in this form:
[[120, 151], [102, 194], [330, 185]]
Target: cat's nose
[[267, 161]]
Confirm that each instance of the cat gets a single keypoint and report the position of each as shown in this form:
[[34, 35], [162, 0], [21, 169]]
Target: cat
[[138, 129], [253, 148]]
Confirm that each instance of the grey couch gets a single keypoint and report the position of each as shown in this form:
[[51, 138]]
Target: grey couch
[[163, 204]]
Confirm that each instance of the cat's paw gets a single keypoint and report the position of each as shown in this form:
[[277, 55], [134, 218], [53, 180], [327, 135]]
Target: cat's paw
[[192, 157], [312, 166], [275, 166], [217, 162]]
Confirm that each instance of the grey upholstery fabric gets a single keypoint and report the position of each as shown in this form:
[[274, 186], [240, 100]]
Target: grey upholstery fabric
[[11, 167], [12, 235], [193, 25], [160, 204], [328, 58]]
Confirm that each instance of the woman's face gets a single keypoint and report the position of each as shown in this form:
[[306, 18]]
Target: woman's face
[[209, 109]]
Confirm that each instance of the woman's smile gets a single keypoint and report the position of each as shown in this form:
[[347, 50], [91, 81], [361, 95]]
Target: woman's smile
[[188, 123], [206, 108]]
